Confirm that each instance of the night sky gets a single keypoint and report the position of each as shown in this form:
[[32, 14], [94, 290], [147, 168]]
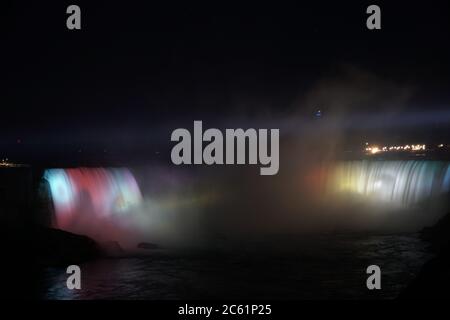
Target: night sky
[[136, 71]]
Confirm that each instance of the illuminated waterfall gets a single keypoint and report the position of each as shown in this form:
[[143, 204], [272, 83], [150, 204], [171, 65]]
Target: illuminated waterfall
[[107, 203], [398, 183], [92, 200]]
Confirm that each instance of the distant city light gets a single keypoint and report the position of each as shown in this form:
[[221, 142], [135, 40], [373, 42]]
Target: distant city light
[[5, 163], [374, 149]]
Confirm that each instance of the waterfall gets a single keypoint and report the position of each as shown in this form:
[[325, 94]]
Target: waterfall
[[398, 183], [92, 201]]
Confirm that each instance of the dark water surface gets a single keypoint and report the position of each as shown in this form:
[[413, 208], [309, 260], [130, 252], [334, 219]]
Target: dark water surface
[[321, 267]]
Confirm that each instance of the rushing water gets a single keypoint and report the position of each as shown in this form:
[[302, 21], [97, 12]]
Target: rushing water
[[109, 203], [397, 183], [164, 206]]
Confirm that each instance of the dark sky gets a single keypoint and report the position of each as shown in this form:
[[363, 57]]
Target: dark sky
[[136, 69]]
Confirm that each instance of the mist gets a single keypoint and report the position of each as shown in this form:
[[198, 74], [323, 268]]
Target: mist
[[205, 205]]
